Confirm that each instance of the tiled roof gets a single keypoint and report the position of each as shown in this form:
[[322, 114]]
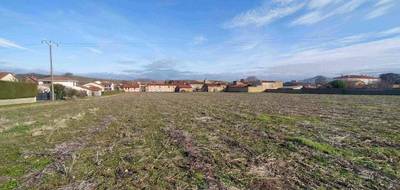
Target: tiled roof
[[215, 85], [157, 84], [184, 86], [57, 78], [131, 85], [3, 74], [92, 88]]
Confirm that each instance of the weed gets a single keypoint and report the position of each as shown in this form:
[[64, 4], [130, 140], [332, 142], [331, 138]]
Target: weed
[[326, 148]]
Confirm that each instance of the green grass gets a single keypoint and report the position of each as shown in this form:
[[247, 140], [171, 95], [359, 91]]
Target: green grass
[[326, 148]]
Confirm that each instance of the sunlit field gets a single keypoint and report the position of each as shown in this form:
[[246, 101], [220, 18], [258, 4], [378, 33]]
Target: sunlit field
[[202, 140]]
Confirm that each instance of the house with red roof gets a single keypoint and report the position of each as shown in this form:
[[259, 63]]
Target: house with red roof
[[160, 87], [213, 87], [131, 87], [92, 90], [65, 81], [184, 88], [31, 79], [94, 84], [6, 76]]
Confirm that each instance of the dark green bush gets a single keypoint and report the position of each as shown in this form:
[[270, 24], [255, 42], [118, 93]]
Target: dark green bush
[[59, 91], [338, 84], [13, 90]]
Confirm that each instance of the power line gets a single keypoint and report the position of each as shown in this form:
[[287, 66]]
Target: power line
[[51, 44]]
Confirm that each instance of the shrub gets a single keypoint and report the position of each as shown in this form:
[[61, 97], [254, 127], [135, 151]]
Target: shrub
[[13, 90], [338, 84], [74, 93], [59, 91]]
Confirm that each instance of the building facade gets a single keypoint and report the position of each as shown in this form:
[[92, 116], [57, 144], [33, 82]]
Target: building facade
[[160, 88], [65, 81], [213, 87], [134, 87], [5, 76], [184, 88]]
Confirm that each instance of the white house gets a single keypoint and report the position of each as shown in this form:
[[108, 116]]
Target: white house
[[93, 91], [131, 87], [108, 86], [160, 87], [5, 76], [65, 81], [95, 84]]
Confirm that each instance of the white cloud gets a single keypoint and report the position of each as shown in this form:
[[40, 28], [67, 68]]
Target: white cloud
[[94, 50], [318, 4], [320, 15], [264, 15], [9, 44], [369, 36], [380, 54], [393, 31], [380, 8], [198, 40]]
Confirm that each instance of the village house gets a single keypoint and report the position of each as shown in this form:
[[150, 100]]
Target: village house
[[95, 84], [6, 76], [65, 81], [196, 85], [262, 86], [183, 88], [31, 79], [108, 86], [213, 87], [368, 80], [265, 85], [154, 87], [131, 87], [92, 90], [271, 84], [237, 87]]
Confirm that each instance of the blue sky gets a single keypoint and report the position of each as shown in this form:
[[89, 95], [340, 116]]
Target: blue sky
[[181, 39]]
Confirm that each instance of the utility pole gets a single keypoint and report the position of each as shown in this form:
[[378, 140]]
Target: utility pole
[[50, 44]]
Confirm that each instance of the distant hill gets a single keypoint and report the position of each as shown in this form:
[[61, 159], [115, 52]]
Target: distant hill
[[21, 76], [317, 80], [81, 79]]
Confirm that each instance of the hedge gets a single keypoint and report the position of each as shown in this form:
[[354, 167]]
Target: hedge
[[14, 90]]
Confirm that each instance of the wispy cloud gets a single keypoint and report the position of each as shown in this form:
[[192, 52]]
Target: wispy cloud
[[320, 15], [318, 4], [393, 31], [10, 44], [370, 36], [349, 59], [265, 14], [94, 50], [381, 8]]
